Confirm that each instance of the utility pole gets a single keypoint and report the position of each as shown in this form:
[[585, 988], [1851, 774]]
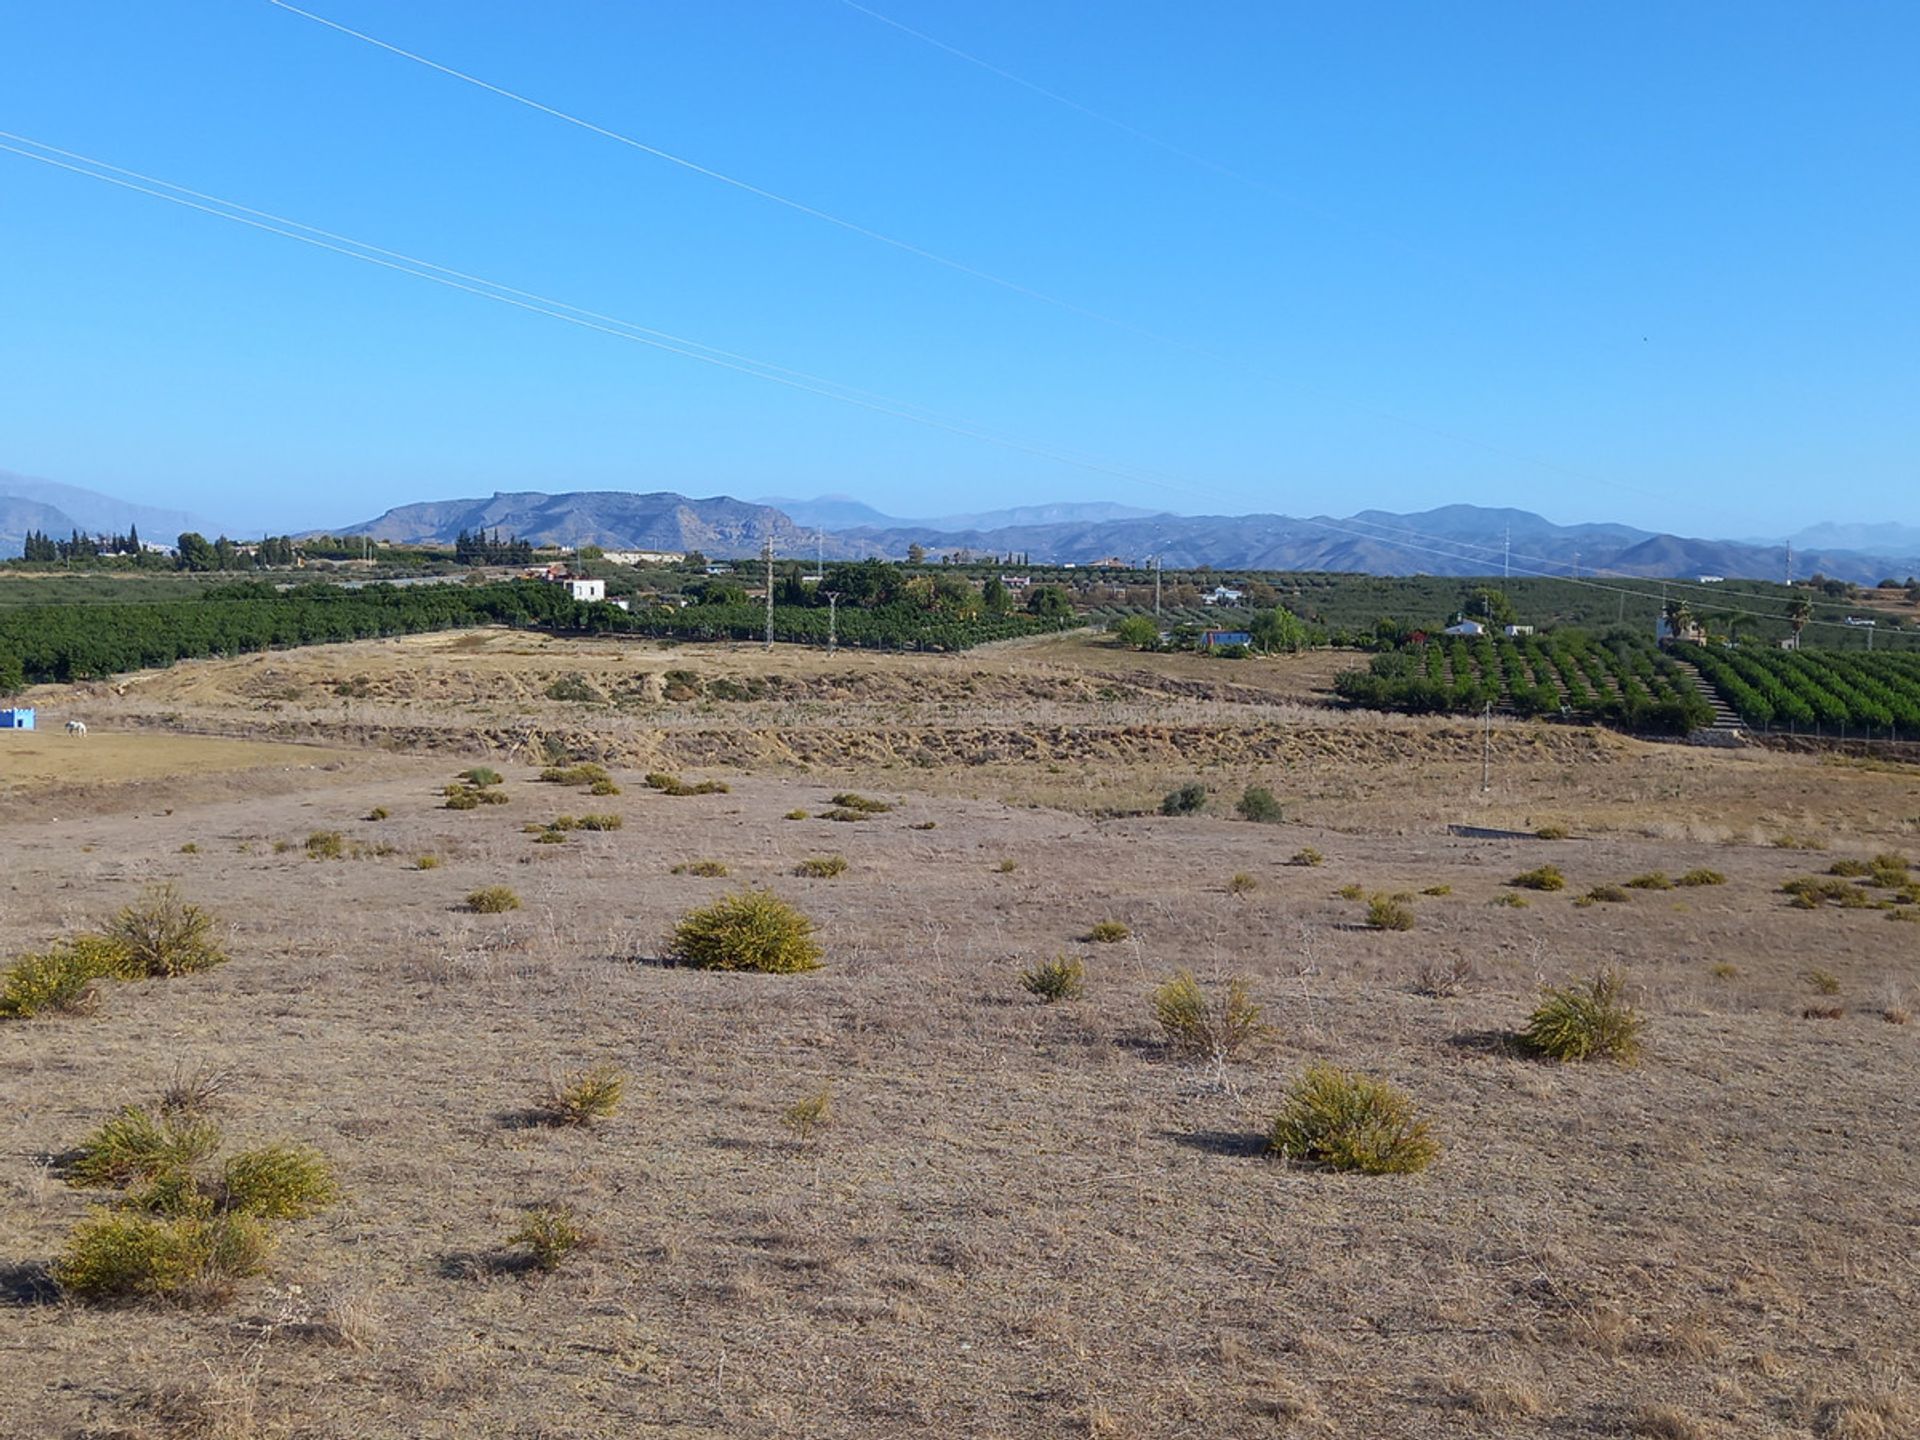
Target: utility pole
[[1789, 564], [768, 549], [833, 606], [1486, 748], [1156, 587]]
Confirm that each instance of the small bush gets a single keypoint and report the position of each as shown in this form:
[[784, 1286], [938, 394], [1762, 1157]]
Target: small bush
[[1443, 979], [482, 777], [1590, 1020], [1551, 832], [1005, 867], [379, 812], [64, 979], [599, 821], [135, 1146], [551, 1233], [559, 822], [278, 1182], [550, 837], [1386, 913], [1852, 869], [1652, 880], [1351, 891], [1189, 799], [1109, 932], [805, 1117], [1217, 1029], [924, 825], [427, 862], [844, 815], [583, 1098], [1701, 876], [821, 867], [794, 815], [190, 848], [163, 935], [754, 930], [706, 869], [1241, 883], [1607, 895], [1060, 978], [326, 845], [1256, 803], [461, 798], [1307, 855], [674, 785], [848, 800], [492, 900], [1823, 982], [603, 787], [1511, 901], [1348, 1121], [1438, 892], [1546, 877], [1725, 970], [1811, 892], [575, 687], [586, 773], [114, 1255]]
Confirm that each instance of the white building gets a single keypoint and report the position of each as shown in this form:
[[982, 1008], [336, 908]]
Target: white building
[[643, 557], [587, 592], [1466, 627], [1223, 595]]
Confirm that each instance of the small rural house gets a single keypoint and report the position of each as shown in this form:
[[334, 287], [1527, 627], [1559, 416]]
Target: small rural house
[[587, 592], [21, 719], [1515, 632], [1466, 627], [1220, 639], [1223, 595]]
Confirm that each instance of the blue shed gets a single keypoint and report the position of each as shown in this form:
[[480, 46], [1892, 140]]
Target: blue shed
[[1220, 639], [16, 719]]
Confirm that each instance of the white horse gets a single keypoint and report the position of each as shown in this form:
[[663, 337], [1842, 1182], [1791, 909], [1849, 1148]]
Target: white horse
[[76, 727]]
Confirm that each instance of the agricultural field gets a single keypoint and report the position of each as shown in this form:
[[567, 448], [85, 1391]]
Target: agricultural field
[[1817, 690], [453, 1147]]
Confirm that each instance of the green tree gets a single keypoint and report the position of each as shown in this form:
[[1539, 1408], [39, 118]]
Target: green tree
[[1276, 630], [1049, 602], [1799, 612], [196, 553], [1490, 605], [995, 596], [1138, 632], [916, 554]]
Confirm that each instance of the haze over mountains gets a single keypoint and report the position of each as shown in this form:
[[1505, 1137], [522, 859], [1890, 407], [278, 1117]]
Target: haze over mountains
[[1450, 540]]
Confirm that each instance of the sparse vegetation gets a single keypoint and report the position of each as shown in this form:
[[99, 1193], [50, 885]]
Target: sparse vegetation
[[794, 815], [1307, 855], [1607, 895], [161, 934], [1551, 832], [1005, 867], [807, 1117], [1701, 876], [1353, 890], [584, 774], [1511, 901], [1824, 982], [1652, 880], [482, 777], [1108, 932], [1437, 892], [821, 867], [673, 785], [1348, 1121], [1443, 979], [1061, 978], [753, 930], [492, 900], [426, 862], [848, 800], [1812, 892], [1257, 803], [1588, 1020], [278, 1182], [582, 1098], [326, 845], [1217, 1029], [550, 1233], [1385, 912], [1544, 877], [1189, 799], [1724, 970]]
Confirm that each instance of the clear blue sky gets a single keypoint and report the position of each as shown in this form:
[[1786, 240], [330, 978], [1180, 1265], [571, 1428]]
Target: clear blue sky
[[1649, 262]]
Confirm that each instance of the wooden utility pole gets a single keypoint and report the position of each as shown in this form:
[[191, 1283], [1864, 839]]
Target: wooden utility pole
[[1486, 748], [1156, 587]]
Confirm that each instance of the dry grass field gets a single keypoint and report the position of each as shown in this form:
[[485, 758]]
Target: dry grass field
[[1014, 1218]]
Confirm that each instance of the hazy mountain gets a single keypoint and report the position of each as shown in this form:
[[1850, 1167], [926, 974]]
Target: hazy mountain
[[18, 516], [97, 514], [831, 512], [613, 519], [843, 512], [1889, 537]]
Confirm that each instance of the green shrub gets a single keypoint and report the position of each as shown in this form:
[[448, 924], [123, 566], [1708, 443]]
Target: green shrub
[[848, 800], [1511, 900], [600, 821], [1189, 799], [1307, 855], [1241, 883], [1060, 978], [1546, 877], [1438, 892], [1701, 876], [190, 848], [821, 867], [550, 837], [482, 777], [706, 869], [116, 1255], [427, 862], [1216, 1029], [1588, 1020], [586, 773], [1109, 932], [1384, 912], [794, 815], [326, 845], [1824, 982], [1551, 832], [1351, 891], [1811, 892], [163, 935], [583, 1098], [1349, 1121], [1852, 869], [278, 1182], [136, 1146], [461, 798], [551, 1233], [1256, 803], [1005, 867], [603, 787], [1606, 895], [379, 812], [492, 900], [63, 979], [805, 1117], [754, 930], [674, 785], [1652, 880], [844, 815]]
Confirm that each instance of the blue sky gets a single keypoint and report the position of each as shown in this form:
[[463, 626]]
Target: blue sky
[[1643, 262]]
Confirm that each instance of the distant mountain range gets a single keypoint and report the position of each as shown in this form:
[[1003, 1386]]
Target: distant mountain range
[[1450, 540], [58, 510]]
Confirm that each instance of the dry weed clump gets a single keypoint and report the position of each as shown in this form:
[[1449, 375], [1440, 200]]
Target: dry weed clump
[[1544, 877], [582, 1098], [164, 935], [492, 900], [1006, 867], [1438, 892], [1352, 890], [1257, 803], [821, 867], [1061, 978], [1108, 932], [1701, 876], [584, 774], [1307, 855], [795, 815], [1604, 895], [1663, 1422], [1349, 1121], [1824, 982], [326, 845], [849, 800], [706, 869], [551, 1233], [1443, 979], [1588, 1020], [1386, 912], [195, 1091], [1511, 901], [159, 935], [807, 1117], [1241, 883], [379, 812], [1551, 832], [1652, 880], [426, 862], [673, 785], [754, 930], [1217, 1029]]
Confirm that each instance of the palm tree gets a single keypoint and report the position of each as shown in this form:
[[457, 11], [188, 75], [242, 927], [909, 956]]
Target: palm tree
[[1679, 619], [1798, 614]]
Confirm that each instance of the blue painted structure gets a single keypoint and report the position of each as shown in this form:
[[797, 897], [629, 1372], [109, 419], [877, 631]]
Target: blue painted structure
[[1219, 639], [17, 719]]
